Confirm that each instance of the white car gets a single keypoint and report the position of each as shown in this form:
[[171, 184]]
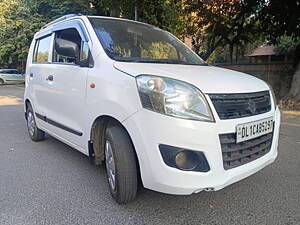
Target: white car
[[136, 98], [11, 76]]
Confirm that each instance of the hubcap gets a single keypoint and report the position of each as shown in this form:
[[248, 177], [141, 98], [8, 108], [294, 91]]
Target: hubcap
[[31, 123], [110, 165]]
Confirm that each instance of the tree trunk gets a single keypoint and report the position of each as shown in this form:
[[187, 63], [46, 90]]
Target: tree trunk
[[236, 54], [231, 53], [294, 92]]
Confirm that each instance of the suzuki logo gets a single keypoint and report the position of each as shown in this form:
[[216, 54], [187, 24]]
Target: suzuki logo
[[252, 106]]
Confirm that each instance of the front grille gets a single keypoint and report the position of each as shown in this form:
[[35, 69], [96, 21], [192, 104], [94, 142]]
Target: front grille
[[231, 106], [237, 154]]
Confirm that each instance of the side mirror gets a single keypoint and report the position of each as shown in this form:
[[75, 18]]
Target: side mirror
[[66, 48]]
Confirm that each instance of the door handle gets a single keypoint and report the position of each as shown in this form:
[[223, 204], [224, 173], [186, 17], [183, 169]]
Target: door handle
[[50, 78]]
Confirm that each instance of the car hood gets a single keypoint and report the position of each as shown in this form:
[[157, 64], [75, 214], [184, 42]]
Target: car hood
[[209, 79]]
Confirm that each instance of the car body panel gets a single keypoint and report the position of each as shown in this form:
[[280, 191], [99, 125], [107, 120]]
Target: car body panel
[[203, 77], [195, 135]]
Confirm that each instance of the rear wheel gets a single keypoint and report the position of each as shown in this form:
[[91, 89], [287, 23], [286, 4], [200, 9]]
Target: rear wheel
[[1, 82], [121, 165], [34, 132]]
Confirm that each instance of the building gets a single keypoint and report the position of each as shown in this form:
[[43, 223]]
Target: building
[[267, 54]]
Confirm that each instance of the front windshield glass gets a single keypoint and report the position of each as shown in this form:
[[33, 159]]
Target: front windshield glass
[[136, 42]]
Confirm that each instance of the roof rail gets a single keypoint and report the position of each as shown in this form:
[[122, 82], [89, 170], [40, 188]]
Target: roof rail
[[61, 19]]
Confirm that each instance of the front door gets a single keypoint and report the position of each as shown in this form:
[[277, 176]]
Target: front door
[[64, 86]]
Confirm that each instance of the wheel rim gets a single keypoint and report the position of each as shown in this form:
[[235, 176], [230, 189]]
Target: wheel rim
[[110, 165], [30, 123]]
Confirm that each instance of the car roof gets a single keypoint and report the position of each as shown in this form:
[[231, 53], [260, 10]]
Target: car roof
[[120, 19], [70, 17]]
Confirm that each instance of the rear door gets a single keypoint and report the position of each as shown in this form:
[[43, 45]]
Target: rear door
[[37, 72]]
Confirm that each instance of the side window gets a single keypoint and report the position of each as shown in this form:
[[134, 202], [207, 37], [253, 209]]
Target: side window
[[69, 47], [15, 72], [42, 50]]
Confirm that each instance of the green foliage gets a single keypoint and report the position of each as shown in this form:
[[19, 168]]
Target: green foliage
[[16, 30], [166, 14], [281, 22], [286, 44], [212, 24], [220, 23], [21, 19], [279, 18]]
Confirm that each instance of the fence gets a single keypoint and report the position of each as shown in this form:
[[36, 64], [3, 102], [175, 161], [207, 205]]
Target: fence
[[278, 74]]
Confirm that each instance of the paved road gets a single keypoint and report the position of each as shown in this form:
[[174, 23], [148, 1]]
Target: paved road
[[51, 183]]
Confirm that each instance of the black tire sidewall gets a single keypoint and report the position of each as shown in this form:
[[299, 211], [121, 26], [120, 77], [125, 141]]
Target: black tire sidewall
[[38, 134], [34, 136], [125, 164]]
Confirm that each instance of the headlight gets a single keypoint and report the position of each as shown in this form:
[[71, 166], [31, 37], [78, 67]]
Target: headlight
[[173, 97], [273, 95]]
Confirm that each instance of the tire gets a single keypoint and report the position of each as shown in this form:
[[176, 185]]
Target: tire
[[120, 155], [34, 132], [1, 82]]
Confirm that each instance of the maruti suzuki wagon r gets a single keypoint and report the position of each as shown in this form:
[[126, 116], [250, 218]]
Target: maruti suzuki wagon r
[[134, 97]]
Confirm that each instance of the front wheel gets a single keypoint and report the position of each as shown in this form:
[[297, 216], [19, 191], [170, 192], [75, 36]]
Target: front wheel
[[121, 164], [34, 132], [1, 82]]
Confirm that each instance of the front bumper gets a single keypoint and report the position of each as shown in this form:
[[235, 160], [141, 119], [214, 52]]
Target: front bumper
[[149, 129]]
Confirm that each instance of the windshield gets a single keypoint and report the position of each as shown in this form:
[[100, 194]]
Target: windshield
[[136, 42]]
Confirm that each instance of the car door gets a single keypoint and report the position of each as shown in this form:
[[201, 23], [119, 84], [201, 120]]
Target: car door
[[64, 85]]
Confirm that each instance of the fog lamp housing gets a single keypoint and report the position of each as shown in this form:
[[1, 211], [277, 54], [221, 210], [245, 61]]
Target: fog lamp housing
[[184, 159]]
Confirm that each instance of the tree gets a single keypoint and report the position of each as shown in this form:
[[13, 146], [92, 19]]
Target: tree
[[52, 9], [16, 31], [282, 18], [219, 23], [21, 19], [166, 14]]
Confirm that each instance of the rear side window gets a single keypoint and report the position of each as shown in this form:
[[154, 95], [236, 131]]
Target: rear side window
[[42, 50]]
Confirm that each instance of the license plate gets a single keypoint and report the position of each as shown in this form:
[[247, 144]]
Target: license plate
[[247, 131]]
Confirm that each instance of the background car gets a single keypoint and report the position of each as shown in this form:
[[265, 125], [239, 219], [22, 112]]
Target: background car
[[11, 76]]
